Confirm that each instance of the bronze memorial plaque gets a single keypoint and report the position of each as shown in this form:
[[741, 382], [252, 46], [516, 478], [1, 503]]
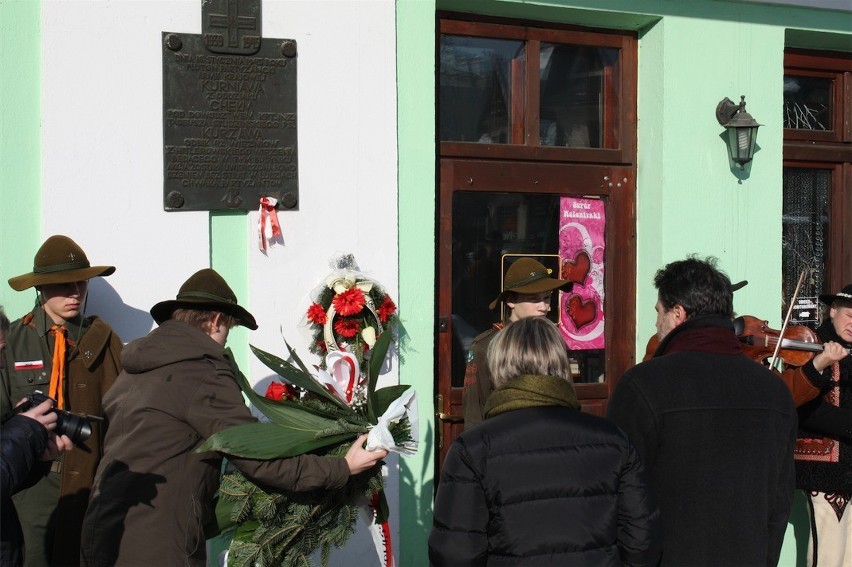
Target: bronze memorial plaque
[[229, 119]]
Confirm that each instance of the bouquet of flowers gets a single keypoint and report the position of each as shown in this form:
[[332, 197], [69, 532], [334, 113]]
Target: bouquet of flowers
[[319, 412], [349, 312]]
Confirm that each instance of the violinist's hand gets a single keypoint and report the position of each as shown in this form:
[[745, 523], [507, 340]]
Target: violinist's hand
[[832, 352], [359, 459]]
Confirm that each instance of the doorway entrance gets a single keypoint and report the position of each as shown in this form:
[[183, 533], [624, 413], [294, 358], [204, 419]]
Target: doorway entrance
[[537, 150]]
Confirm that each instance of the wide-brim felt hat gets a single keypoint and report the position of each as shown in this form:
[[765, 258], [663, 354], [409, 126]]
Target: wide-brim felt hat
[[59, 260], [844, 294], [205, 290], [526, 275]]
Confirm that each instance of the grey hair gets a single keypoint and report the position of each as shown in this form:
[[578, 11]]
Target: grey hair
[[531, 345]]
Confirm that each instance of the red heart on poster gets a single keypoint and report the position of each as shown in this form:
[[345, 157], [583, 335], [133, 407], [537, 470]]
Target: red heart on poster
[[577, 269], [580, 311]]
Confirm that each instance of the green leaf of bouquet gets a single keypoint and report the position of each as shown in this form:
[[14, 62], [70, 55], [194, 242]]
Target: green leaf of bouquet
[[385, 397], [282, 411], [298, 376], [377, 359], [382, 510], [266, 441], [245, 532], [224, 510]]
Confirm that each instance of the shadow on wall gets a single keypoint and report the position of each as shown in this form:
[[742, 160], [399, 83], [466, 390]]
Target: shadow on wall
[[413, 489], [129, 322]]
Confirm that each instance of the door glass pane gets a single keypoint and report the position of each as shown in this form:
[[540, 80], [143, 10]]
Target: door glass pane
[[476, 81], [576, 82], [489, 228], [807, 103], [805, 238]]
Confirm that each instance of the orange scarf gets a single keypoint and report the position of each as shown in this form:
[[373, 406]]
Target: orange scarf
[[57, 373]]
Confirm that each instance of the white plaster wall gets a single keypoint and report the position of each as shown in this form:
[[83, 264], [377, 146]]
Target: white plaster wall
[[102, 172]]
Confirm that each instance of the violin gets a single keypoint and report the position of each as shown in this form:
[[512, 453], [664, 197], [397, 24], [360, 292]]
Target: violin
[[799, 344], [651, 347]]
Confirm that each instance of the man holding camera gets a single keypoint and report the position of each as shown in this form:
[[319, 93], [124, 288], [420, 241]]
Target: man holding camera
[[74, 360]]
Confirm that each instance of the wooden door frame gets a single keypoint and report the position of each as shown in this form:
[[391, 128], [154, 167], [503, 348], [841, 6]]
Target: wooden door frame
[[614, 184]]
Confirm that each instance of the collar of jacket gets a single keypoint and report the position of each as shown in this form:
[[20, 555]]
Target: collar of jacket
[[703, 333]]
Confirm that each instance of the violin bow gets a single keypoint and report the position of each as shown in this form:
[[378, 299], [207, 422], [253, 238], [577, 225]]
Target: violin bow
[[787, 319]]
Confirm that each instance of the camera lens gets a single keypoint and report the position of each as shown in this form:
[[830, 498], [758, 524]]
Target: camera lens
[[76, 427]]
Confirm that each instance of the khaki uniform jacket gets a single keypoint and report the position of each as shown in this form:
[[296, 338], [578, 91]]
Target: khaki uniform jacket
[[60, 498], [478, 383], [153, 496]]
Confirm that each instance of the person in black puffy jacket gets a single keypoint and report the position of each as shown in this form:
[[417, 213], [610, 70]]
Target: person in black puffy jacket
[[24, 441], [539, 482]]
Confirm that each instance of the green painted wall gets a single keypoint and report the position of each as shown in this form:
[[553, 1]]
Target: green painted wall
[[20, 153], [416, 131], [229, 257], [690, 198]]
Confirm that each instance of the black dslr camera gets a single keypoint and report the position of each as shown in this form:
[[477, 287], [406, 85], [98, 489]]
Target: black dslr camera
[[77, 426]]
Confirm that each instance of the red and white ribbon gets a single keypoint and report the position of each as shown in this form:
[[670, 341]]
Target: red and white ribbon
[[268, 231], [380, 532], [344, 369]]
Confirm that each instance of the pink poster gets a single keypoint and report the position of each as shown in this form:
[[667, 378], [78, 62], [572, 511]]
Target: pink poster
[[581, 259]]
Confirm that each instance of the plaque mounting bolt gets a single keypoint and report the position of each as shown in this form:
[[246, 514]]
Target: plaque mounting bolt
[[288, 200], [174, 200], [288, 48], [173, 42]]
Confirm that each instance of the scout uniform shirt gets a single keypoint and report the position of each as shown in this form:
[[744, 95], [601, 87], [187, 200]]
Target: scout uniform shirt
[[91, 366]]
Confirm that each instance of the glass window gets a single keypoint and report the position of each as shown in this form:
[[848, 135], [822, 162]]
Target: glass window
[[575, 83], [476, 81], [489, 230], [807, 103], [805, 236]]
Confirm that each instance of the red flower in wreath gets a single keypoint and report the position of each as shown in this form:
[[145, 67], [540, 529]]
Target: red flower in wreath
[[347, 328], [349, 302], [386, 309], [278, 391], [316, 314]]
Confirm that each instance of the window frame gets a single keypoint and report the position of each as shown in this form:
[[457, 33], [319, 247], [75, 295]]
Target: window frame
[[810, 149], [524, 131]]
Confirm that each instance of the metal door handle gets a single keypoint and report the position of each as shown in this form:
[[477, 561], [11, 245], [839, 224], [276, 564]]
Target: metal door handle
[[449, 417], [444, 417]]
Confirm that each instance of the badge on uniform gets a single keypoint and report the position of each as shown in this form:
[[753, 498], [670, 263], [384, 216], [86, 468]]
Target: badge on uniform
[[29, 365]]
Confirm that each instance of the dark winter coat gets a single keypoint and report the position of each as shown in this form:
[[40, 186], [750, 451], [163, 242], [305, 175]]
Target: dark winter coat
[[153, 494], [22, 440], [716, 432], [61, 495], [823, 418], [543, 486]]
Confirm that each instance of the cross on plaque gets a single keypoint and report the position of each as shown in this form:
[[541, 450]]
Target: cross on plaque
[[231, 26], [233, 22]]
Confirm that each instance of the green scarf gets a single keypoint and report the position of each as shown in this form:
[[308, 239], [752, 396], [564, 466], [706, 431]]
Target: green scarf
[[530, 391]]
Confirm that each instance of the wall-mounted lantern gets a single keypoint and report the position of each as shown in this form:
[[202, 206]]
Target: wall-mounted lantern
[[742, 129]]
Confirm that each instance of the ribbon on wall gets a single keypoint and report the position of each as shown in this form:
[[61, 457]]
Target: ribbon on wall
[[269, 229]]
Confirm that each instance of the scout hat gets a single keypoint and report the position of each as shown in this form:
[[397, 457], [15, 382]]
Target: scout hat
[[526, 275], [205, 290], [844, 294], [59, 260]]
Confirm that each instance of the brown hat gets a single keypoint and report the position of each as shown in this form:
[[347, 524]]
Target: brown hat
[[59, 260], [844, 294], [526, 275], [205, 290]]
